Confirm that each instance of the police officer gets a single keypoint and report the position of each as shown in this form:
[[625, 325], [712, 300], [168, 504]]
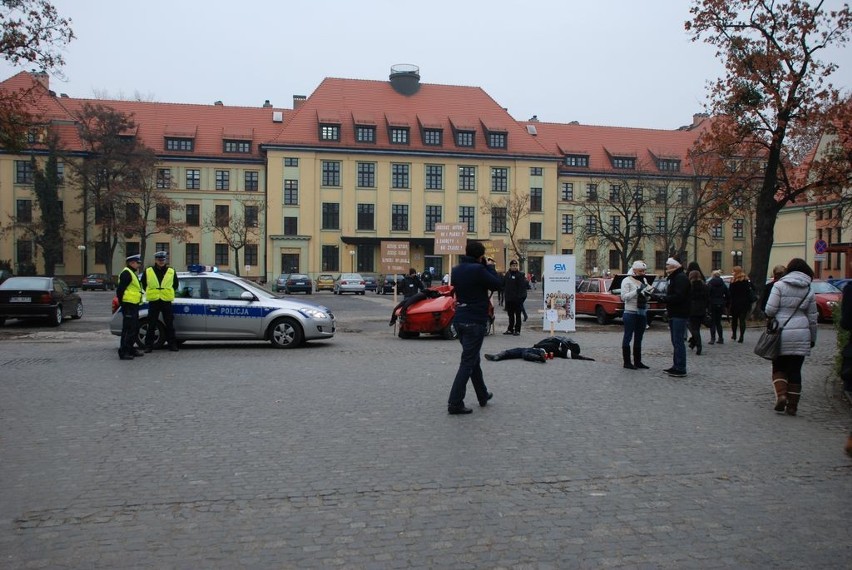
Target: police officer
[[129, 293], [160, 283]]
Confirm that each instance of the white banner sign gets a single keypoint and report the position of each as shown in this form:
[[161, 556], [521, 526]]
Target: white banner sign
[[560, 284]]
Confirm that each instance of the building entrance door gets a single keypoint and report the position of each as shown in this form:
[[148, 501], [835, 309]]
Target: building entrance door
[[289, 263]]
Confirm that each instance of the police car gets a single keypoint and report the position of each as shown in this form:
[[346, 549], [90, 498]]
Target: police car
[[217, 306]]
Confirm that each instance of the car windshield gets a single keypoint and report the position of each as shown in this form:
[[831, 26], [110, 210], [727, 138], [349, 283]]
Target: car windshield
[[823, 287], [96, 276], [351, 276], [38, 283], [297, 277]]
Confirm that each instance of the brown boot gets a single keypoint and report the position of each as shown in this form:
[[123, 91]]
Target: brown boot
[[780, 385], [794, 392]]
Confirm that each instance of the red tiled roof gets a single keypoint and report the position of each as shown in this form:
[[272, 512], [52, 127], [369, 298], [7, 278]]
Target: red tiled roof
[[433, 106]]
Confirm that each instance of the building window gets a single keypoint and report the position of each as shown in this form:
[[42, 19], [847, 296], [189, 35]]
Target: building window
[[180, 144], [24, 211], [567, 223], [536, 171], [433, 216], [576, 160], [591, 225], [291, 161], [366, 175], [567, 192], [24, 255], [434, 176], [716, 232], [251, 254], [716, 260], [223, 179], [222, 215], [614, 261], [193, 179], [131, 248], [366, 216], [252, 178], [330, 173], [241, 147], [500, 179], [615, 224], [23, 172], [467, 178], [291, 192], [291, 226], [739, 228], [638, 195], [591, 261], [661, 225], [467, 215], [660, 195], [330, 216], [683, 195], [162, 246], [614, 192], [193, 216], [399, 217], [102, 252], [251, 216], [365, 134], [192, 253], [330, 132], [497, 140], [221, 257], [432, 137], [591, 192], [464, 138], [330, 258], [669, 165], [131, 212], [399, 176], [639, 224], [164, 213], [535, 230], [624, 163], [535, 200], [660, 259], [498, 220], [399, 135], [164, 178]]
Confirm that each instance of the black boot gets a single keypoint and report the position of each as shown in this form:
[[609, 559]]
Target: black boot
[[495, 357], [637, 358], [625, 353]]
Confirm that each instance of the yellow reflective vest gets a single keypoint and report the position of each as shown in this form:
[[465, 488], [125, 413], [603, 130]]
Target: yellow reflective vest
[[133, 293], [160, 291]]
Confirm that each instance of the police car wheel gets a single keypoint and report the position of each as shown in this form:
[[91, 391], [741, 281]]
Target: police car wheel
[[159, 334], [285, 333]]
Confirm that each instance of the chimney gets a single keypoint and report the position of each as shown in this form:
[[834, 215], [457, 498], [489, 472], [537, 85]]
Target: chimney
[[298, 101], [405, 78], [43, 78], [267, 104], [698, 118]]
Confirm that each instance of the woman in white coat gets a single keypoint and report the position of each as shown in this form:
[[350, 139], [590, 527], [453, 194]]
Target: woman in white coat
[[791, 298]]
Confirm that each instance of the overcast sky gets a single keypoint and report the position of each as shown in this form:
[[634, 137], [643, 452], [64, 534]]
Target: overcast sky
[[605, 62]]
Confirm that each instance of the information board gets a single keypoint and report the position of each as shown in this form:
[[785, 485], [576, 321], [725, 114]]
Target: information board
[[450, 238], [395, 257]]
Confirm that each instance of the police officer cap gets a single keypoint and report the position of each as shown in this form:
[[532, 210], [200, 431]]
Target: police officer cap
[[161, 255], [137, 258]]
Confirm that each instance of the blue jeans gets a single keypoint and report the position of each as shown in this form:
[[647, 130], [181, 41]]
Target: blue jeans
[[677, 326], [634, 328], [471, 336]]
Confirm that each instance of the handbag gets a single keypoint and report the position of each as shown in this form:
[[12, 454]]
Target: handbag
[[769, 344]]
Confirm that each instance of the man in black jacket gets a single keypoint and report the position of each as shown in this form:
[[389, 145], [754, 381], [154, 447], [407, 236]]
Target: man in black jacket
[[677, 309], [514, 295]]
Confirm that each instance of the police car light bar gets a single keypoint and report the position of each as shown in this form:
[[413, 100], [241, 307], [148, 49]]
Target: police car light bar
[[202, 268]]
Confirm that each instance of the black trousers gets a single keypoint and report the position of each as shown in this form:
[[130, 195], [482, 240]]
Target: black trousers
[[129, 328], [514, 309], [155, 309]]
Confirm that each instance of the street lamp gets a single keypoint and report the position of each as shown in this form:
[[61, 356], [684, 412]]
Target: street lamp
[[738, 256], [82, 250]]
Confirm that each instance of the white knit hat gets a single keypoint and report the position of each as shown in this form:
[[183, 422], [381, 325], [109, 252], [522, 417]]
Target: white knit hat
[[639, 264], [672, 262]]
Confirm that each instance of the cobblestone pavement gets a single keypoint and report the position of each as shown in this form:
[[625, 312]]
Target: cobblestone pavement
[[341, 454]]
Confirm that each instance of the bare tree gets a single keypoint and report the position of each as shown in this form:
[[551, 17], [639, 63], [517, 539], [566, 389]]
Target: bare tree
[[773, 103], [509, 210], [236, 228]]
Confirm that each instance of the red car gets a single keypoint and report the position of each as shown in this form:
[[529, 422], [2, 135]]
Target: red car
[[827, 297], [434, 316]]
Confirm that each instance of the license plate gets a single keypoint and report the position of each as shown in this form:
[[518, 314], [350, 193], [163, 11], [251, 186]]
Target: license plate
[[19, 300]]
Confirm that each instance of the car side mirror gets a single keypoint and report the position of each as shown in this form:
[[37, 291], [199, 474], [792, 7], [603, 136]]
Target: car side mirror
[[247, 296]]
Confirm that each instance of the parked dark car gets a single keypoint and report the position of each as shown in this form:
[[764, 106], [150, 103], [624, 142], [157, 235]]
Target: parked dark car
[[5, 274], [45, 298], [279, 283], [94, 281], [371, 282], [298, 283], [387, 285]]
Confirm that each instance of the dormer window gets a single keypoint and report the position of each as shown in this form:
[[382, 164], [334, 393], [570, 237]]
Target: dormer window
[[624, 163], [497, 140], [365, 134], [329, 132], [577, 160], [668, 165], [432, 137], [464, 138], [175, 143], [241, 147], [399, 135]]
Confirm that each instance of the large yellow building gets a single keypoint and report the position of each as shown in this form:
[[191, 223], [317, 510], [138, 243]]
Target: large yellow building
[[360, 162]]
